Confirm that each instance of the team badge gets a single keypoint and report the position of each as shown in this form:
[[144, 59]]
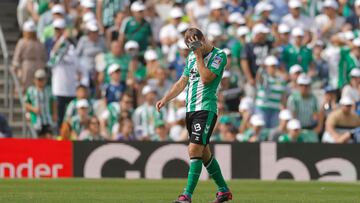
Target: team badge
[[216, 62]]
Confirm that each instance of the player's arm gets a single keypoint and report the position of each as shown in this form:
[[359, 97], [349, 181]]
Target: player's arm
[[175, 90], [205, 73]]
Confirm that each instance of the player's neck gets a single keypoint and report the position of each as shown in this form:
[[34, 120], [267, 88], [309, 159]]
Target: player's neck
[[208, 49]]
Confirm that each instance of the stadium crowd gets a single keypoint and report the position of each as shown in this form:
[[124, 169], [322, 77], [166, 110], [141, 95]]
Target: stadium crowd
[[93, 70]]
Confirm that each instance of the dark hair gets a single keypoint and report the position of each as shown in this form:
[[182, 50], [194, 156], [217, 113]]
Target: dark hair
[[193, 32]]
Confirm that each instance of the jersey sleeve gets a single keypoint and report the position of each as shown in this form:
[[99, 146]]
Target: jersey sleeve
[[218, 63]]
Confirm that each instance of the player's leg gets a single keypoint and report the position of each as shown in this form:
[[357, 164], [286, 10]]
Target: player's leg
[[213, 168], [195, 123]]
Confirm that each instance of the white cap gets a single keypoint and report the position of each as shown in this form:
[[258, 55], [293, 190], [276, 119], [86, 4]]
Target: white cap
[[236, 17], [357, 3], [214, 30], [285, 115], [260, 28], [295, 69], [82, 103], [227, 51], [297, 32], [137, 6], [346, 101], [330, 4], [181, 44], [271, 61], [349, 35], [59, 23], [29, 26], [58, 9], [263, 6], [247, 103], [293, 124], [294, 4], [87, 3], [92, 26], [182, 27], [113, 67], [147, 89], [355, 72], [180, 114], [226, 74], [303, 79], [131, 45], [176, 13], [356, 42], [257, 120], [40, 73], [283, 28], [216, 5], [181, 96], [150, 55], [89, 16], [242, 31]]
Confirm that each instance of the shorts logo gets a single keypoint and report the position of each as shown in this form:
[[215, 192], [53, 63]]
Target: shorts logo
[[197, 127], [207, 128], [197, 138]]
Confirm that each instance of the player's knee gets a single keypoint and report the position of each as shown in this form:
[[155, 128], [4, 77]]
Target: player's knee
[[195, 151]]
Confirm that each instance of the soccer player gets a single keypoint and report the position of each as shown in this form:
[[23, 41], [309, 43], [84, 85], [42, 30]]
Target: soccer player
[[202, 75]]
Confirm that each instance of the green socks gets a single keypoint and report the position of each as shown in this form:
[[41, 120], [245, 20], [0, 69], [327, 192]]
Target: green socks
[[214, 170], [193, 176]]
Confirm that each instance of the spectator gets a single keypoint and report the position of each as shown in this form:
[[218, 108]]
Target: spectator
[[296, 52], [41, 105], [352, 90], [112, 114], [169, 35], [226, 130], [304, 105], [253, 56], [116, 88], [81, 93], [155, 21], [66, 132], [320, 63], [161, 82], [112, 33], [29, 55], [239, 44], [263, 10], [136, 27], [66, 71], [178, 131], [47, 18], [353, 20], [283, 38], [5, 130], [284, 117], [87, 48], [340, 123], [198, 12], [80, 121], [146, 116], [217, 16], [161, 132], [257, 132], [48, 32], [92, 132], [106, 10], [270, 96], [125, 131], [246, 109], [152, 63], [177, 66], [295, 18], [294, 72], [235, 20], [348, 61], [329, 22], [239, 6], [293, 133], [114, 56]]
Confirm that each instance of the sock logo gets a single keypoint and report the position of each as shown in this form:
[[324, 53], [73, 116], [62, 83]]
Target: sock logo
[[197, 127]]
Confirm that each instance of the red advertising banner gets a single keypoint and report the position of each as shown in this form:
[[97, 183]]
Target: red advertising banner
[[28, 158]]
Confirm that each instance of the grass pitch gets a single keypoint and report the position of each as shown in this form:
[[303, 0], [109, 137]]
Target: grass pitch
[[164, 191]]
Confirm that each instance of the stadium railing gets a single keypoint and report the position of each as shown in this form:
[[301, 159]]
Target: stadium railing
[[10, 81]]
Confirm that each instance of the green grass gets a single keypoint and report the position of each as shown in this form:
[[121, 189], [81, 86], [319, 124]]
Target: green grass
[[164, 191]]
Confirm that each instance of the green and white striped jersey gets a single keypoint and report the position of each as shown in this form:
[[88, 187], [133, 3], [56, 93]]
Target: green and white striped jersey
[[200, 96], [43, 100], [269, 91]]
